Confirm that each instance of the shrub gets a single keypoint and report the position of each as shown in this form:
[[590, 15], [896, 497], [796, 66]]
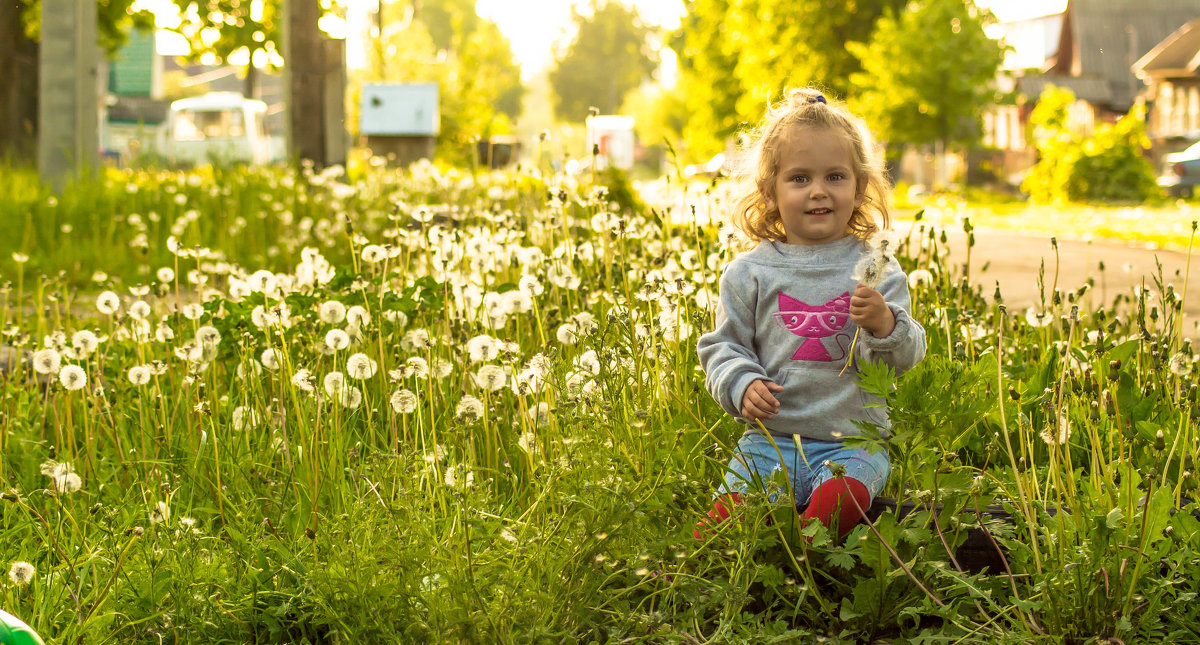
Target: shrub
[[1106, 166]]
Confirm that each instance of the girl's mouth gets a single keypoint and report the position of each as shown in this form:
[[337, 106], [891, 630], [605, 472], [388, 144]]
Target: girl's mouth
[[820, 211]]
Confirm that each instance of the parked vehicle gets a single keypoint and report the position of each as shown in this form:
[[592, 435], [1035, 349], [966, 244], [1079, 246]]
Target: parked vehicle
[[218, 127], [1181, 172]]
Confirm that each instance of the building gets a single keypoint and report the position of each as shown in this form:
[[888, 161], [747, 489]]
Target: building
[[1093, 55], [1171, 74]]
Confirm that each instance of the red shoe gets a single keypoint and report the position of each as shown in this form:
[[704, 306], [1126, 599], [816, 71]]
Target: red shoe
[[721, 510]]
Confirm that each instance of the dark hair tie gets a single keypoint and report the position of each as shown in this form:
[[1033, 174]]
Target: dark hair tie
[[820, 98]]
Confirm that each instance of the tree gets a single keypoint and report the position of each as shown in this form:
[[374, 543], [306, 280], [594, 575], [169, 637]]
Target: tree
[[609, 56], [928, 73], [20, 27], [220, 30], [735, 55]]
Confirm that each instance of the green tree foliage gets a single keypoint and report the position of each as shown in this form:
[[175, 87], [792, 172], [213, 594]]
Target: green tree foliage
[[114, 20], [1107, 166], [736, 54], [480, 89], [927, 74], [609, 57], [225, 28]]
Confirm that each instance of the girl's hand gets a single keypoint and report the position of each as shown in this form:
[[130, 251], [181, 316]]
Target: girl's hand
[[869, 311], [759, 401]]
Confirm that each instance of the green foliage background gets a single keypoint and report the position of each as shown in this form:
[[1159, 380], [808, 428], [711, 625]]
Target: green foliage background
[[1107, 166]]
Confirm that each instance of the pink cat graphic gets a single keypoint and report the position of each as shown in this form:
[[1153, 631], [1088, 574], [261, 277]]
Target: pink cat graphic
[[813, 323]]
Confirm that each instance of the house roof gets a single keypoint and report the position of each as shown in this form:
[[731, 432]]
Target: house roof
[[1177, 54], [1092, 89], [1103, 38]]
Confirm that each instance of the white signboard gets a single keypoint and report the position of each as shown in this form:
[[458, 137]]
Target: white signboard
[[400, 109]]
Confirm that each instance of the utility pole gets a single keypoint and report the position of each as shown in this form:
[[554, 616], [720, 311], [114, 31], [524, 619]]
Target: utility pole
[[69, 106]]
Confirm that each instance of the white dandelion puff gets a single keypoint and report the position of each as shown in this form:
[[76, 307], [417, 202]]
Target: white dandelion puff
[[108, 303], [208, 336], [85, 342], [357, 316], [21, 573], [337, 339], [490, 378], [139, 375], [334, 382], [159, 513], [482, 348], [351, 397], [192, 311], [270, 358], [47, 361], [567, 333], [332, 312], [920, 278], [303, 380], [360, 366], [140, 309], [403, 401], [469, 409], [72, 377]]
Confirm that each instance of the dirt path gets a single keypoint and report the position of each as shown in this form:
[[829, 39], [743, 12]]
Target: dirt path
[[1012, 260]]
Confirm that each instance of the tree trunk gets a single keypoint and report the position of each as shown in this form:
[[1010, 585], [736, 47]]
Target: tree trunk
[[18, 85], [304, 60], [250, 83]]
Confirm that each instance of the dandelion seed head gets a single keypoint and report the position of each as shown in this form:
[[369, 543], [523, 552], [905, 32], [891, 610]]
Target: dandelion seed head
[[360, 366], [567, 333], [72, 377], [303, 379], [332, 312], [337, 339], [351, 397], [270, 359], [482, 348], [490, 378], [139, 375], [403, 401], [469, 409], [46, 361], [334, 382], [108, 303], [21, 573], [158, 513]]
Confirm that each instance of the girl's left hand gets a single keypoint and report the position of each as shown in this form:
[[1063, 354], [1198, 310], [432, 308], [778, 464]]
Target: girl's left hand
[[869, 311]]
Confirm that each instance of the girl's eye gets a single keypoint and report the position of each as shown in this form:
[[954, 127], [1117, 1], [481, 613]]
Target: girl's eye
[[800, 178], [837, 176]]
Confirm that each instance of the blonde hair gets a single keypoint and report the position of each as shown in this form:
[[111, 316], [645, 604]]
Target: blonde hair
[[760, 158]]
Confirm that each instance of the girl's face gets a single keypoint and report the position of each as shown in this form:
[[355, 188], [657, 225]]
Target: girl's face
[[816, 191]]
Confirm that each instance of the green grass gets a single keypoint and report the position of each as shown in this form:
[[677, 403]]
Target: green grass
[[230, 498]]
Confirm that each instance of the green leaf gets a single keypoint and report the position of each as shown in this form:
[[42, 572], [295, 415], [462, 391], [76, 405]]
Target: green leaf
[[1114, 518]]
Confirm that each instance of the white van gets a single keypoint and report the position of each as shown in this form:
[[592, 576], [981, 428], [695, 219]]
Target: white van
[[218, 127]]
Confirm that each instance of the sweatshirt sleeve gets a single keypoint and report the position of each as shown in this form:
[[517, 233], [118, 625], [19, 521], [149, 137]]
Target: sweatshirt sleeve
[[727, 352], [905, 346]]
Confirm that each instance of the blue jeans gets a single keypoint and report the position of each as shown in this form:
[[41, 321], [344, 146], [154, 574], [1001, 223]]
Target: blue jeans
[[755, 461]]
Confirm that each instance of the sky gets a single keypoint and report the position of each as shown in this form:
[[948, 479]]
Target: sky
[[534, 26]]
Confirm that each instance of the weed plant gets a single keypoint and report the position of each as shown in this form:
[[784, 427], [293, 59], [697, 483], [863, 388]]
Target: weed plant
[[429, 406]]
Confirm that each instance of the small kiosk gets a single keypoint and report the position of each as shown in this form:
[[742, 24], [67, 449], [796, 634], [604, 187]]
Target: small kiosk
[[400, 120]]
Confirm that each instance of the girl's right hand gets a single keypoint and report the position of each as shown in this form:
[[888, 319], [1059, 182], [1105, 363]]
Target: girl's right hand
[[759, 401]]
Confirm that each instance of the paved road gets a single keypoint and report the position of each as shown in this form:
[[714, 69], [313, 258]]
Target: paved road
[[1012, 260]]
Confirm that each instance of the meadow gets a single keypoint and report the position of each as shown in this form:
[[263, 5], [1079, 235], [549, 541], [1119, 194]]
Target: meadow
[[280, 405]]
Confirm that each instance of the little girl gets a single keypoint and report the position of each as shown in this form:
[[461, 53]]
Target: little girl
[[789, 309]]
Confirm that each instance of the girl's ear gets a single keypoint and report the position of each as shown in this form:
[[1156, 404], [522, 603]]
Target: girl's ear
[[858, 200], [767, 199]]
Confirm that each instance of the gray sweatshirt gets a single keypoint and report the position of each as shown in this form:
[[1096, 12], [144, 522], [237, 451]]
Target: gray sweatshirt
[[784, 315]]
